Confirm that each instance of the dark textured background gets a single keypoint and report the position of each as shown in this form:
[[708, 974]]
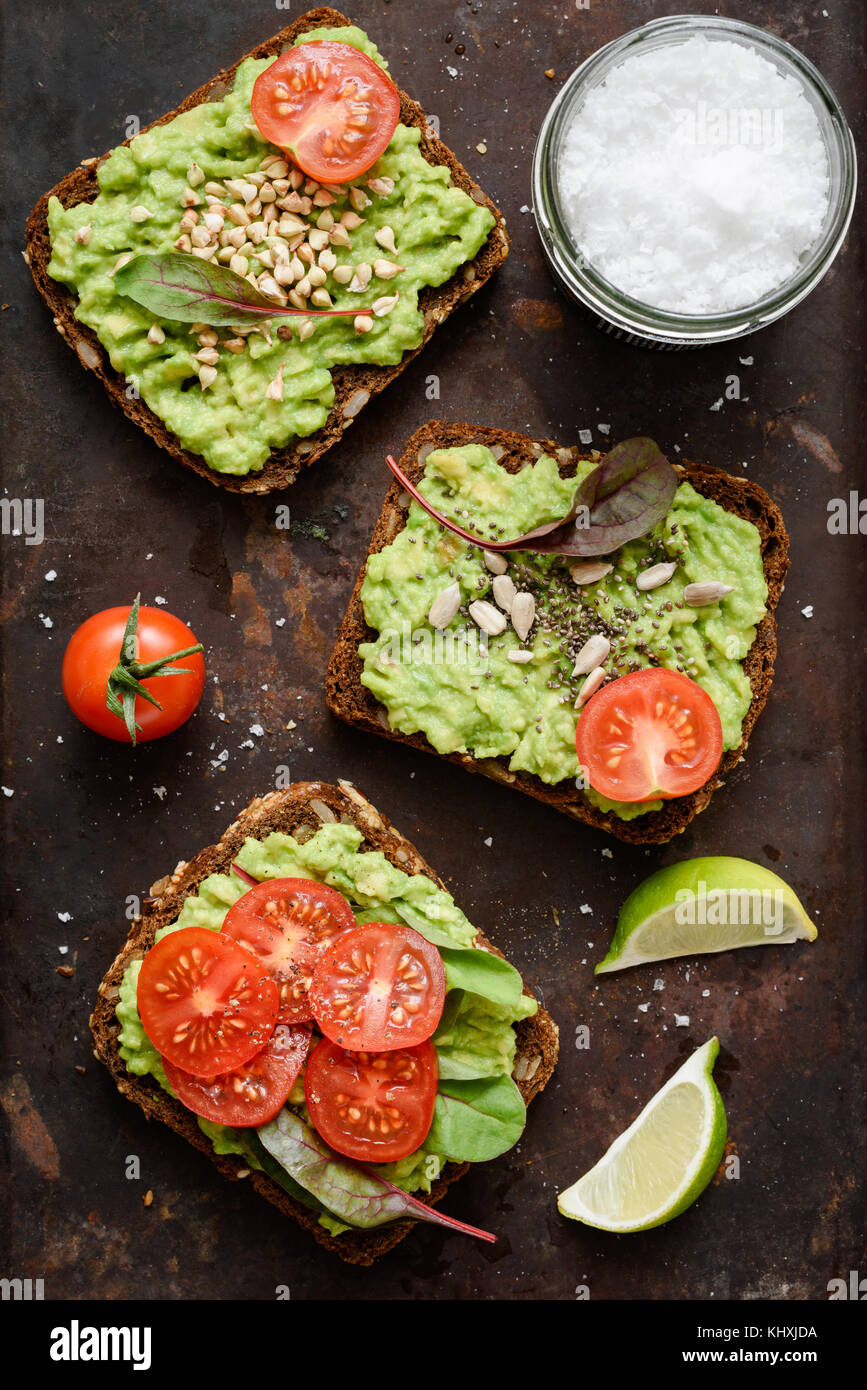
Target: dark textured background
[[86, 826]]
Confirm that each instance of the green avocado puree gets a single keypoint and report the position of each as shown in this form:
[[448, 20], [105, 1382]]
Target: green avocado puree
[[476, 1037], [495, 709], [231, 424]]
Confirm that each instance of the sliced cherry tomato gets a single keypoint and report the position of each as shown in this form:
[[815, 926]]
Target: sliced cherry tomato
[[653, 733], [377, 987], [329, 106], [205, 1003], [95, 652], [253, 1093], [373, 1106], [287, 923]]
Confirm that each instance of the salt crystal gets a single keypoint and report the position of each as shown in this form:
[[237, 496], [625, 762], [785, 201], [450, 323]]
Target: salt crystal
[[695, 177]]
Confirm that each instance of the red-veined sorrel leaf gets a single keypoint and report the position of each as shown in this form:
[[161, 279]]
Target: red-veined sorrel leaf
[[173, 285], [624, 497]]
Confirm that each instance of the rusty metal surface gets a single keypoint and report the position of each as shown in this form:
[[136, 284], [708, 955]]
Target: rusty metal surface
[[91, 822]]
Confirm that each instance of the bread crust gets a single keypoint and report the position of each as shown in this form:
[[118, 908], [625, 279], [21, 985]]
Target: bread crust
[[353, 702], [283, 465], [287, 811]]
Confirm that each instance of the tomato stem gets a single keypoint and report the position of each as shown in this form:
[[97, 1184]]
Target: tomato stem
[[125, 681]]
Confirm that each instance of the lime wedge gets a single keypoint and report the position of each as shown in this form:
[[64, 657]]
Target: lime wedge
[[704, 905], [663, 1161]]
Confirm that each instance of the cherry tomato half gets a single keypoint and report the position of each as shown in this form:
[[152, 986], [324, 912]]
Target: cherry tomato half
[[652, 733], [93, 652], [287, 923], [329, 106], [375, 1107], [205, 1003], [254, 1092], [378, 987]]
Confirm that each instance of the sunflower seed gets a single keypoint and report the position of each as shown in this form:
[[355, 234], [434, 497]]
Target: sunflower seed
[[709, 591], [592, 654], [445, 606], [504, 592], [523, 614], [519, 656], [495, 562], [588, 571], [655, 576], [590, 686], [487, 617]]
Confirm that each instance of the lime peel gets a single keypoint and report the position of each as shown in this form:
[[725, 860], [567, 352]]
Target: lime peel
[[657, 1167]]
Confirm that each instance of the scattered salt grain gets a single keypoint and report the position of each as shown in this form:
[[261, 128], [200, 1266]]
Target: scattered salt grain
[[51, 576], [808, 611], [64, 916], [681, 1020], [160, 792], [695, 176]]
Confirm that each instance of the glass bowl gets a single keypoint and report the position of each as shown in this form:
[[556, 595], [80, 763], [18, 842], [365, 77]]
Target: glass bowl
[[629, 318]]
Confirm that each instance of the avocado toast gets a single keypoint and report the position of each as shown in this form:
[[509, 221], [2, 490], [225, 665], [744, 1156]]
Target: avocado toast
[[741, 682], [449, 240], [317, 816]]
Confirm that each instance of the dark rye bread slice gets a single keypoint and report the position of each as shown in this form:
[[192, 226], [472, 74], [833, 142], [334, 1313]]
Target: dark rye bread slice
[[298, 811], [354, 703], [353, 385]]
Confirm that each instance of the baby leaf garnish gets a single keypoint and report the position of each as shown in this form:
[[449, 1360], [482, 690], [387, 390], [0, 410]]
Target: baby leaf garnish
[[349, 1190], [624, 497], [125, 681], [174, 285]]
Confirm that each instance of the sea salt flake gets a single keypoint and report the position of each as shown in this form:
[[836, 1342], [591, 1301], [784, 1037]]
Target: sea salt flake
[[737, 147]]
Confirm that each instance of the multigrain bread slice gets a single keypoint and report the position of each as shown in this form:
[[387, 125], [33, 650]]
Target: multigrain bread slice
[[300, 809], [353, 385], [354, 703]]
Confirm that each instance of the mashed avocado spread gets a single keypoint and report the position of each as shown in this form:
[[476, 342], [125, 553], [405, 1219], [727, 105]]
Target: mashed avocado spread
[[231, 422], [468, 701], [475, 1041]]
